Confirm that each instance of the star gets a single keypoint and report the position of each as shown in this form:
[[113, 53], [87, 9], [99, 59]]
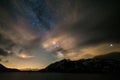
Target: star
[[111, 45]]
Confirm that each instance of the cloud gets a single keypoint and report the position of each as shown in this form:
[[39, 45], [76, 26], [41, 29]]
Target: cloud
[[5, 42], [3, 52], [100, 24], [24, 56], [89, 24], [64, 27]]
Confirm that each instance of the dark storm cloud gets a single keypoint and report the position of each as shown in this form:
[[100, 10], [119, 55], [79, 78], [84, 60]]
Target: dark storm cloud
[[3, 53], [90, 22], [5, 42], [5, 45], [97, 22]]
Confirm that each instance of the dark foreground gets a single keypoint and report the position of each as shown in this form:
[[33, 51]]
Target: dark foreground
[[55, 76]]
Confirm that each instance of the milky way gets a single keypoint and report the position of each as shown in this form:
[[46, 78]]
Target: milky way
[[36, 33]]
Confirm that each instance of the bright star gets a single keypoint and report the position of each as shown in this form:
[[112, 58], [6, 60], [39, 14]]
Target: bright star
[[111, 45]]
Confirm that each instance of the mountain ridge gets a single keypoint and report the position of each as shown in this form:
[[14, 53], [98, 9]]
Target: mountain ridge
[[4, 69], [103, 63], [97, 64]]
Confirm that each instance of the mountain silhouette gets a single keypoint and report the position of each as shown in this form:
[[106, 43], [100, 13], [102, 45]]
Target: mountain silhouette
[[103, 63], [4, 69]]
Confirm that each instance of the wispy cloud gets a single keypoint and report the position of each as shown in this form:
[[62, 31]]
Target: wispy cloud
[[24, 56]]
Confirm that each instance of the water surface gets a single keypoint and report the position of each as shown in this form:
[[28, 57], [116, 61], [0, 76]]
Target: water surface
[[55, 76]]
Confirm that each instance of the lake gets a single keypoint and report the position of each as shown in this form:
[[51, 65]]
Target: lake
[[55, 76]]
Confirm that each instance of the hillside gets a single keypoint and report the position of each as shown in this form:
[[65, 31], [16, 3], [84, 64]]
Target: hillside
[[103, 63], [4, 69]]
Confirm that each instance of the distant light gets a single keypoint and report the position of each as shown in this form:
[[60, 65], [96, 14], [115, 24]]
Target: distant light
[[111, 45], [54, 42], [25, 56]]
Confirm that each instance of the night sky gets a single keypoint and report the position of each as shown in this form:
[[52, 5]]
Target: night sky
[[36, 33]]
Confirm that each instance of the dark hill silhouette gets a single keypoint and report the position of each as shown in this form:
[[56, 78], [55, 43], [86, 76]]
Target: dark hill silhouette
[[4, 69], [104, 63]]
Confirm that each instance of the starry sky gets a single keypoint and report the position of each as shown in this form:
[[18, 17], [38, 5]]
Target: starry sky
[[36, 33]]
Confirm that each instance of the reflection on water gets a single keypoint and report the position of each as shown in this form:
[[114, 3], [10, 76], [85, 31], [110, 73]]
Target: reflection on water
[[55, 76]]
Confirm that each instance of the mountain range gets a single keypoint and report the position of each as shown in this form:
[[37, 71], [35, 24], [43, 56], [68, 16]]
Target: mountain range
[[103, 63], [109, 63]]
